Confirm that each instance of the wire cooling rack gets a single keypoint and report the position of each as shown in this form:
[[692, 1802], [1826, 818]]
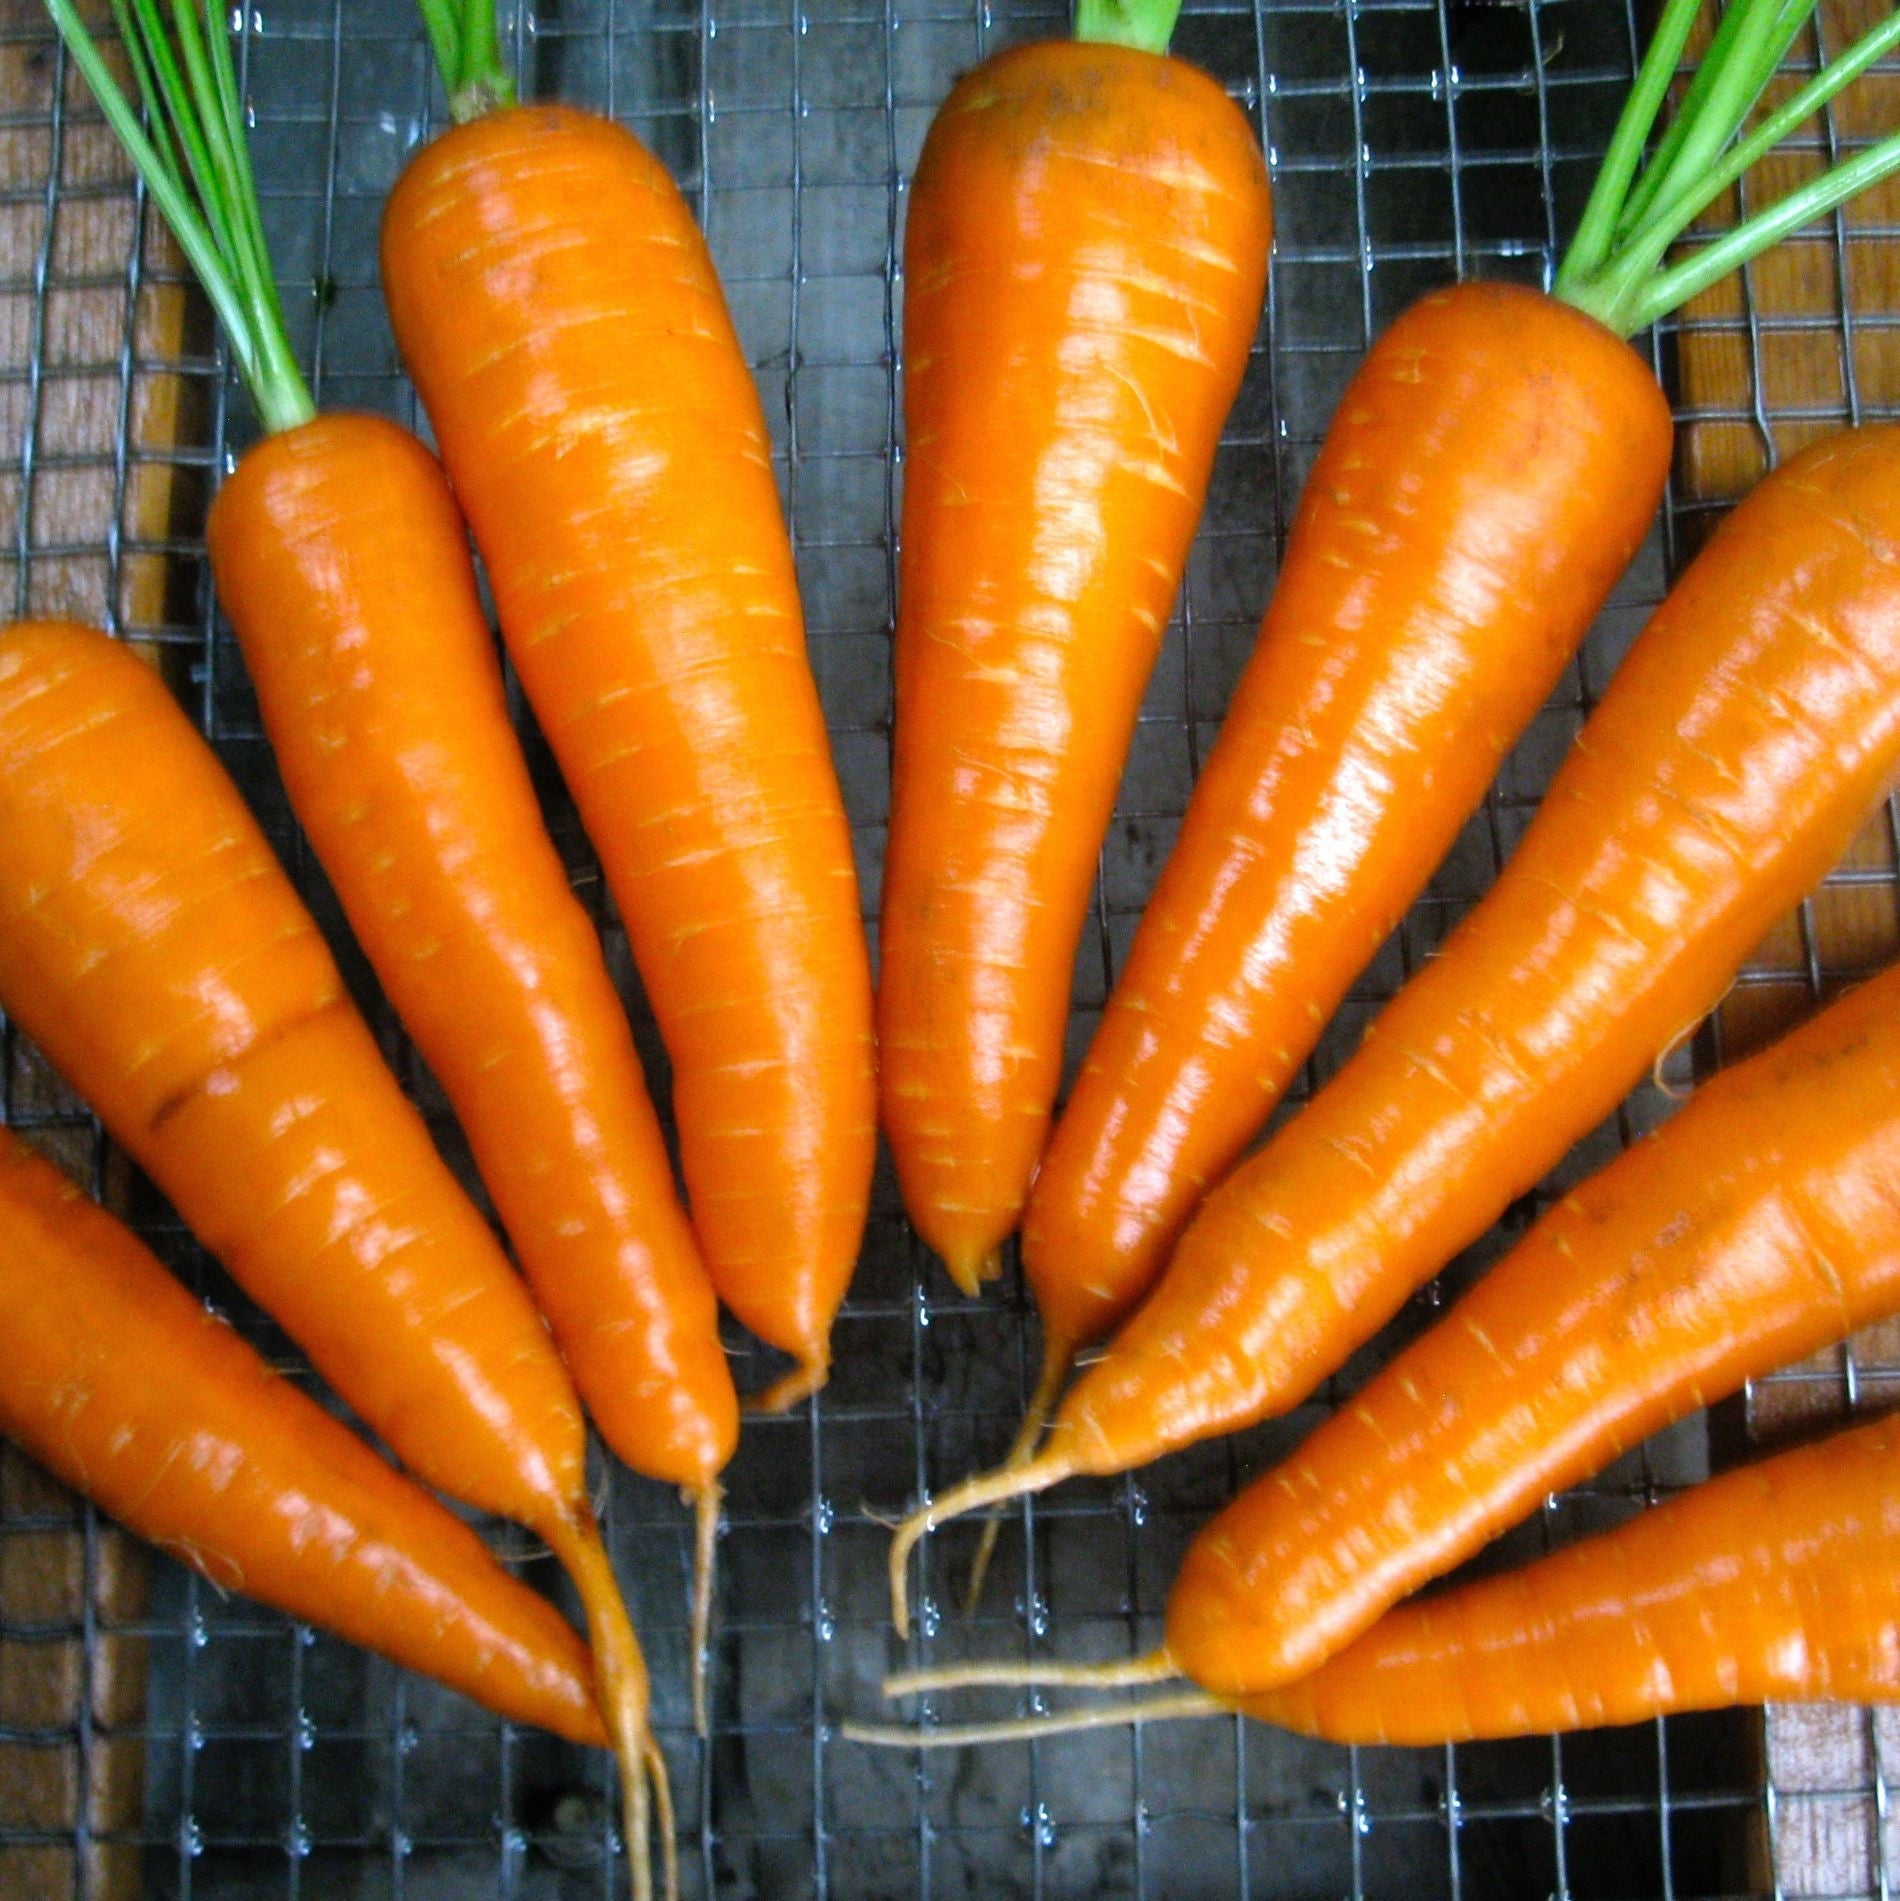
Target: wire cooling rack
[[159, 1740]]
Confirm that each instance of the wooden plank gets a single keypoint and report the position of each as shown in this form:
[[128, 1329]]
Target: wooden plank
[[1766, 364], [66, 293]]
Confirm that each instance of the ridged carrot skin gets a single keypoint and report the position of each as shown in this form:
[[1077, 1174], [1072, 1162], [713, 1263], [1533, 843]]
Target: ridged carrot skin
[[1490, 471], [1777, 1582], [1758, 1226], [343, 563], [154, 950], [559, 312], [1085, 260], [121, 1384], [152, 947], [1749, 731]]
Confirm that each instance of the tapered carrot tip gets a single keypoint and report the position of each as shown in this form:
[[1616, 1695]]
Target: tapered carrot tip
[[1057, 1358], [705, 1503], [806, 1378], [1181, 1706], [622, 1687], [1154, 1666], [986, 1488], [970, 1269]]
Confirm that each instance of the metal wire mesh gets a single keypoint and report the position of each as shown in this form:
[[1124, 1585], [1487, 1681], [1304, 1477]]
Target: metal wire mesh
[[1410, 140]]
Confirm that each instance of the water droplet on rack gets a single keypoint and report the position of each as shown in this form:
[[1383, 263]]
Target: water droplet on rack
[[194, 1736], [822, 1515], [1036, 1615], [401, 1846], [823, 1628], [191, 1840], [929, 1621], [1045, 1826], [1137, 1506], [408, 1740], [297, 1842], [306, 1732]]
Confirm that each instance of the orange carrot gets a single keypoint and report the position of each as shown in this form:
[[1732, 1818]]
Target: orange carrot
[[344, 566], [342, 562], [153, 949], [1084, 262], [1485, 479], [121, 1384], [1779, 1581], [1751, 728], [1760, 1225], [559, 312], [1490, 471]]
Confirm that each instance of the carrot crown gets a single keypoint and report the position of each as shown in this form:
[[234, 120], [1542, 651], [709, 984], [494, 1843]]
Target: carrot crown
[[1147, 25], [195, 161], [468, 56], [1614, 267]]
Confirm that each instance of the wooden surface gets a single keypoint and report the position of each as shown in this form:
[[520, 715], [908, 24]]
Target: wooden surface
[[66, 285], [1818, 317]]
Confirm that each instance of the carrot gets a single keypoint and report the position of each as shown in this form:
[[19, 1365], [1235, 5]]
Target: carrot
[[1488, 473], [559, 313], [344, 566], [153, 949], [1084, 266], [1781, 1580], [1761, 1225], [121, 1384], [1751, 727]]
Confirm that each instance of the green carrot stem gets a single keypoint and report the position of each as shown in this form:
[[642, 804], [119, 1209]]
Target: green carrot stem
[[1147, 25], [467, 50], [1619, 278], [1671, 289], [1591, 244], [1749, 44], [196, 165]]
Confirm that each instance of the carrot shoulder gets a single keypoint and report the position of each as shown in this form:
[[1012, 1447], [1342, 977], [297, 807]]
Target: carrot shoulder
[[119, 1382], [1085, 260], [559, 312]]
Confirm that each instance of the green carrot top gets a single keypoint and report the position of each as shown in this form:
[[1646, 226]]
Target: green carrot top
[[467, 52], [1147, 25], [192, 153], [1614, 268]]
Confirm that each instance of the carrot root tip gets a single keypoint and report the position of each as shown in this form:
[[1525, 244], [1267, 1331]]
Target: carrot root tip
[[805, 1379], [986, 1488], [1056, 1361], [706, 1502], [1024, 1729]]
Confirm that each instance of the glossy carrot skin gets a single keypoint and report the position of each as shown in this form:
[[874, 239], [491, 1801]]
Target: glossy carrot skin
[[1084, 266], [559, 312], [1746, 735], [154, 950], [1777, 1582], [121, 1384], [1490, 471], [343, 563], [1760, 1225]]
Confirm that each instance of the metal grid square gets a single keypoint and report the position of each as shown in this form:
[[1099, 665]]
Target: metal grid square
[[1409, 140]]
